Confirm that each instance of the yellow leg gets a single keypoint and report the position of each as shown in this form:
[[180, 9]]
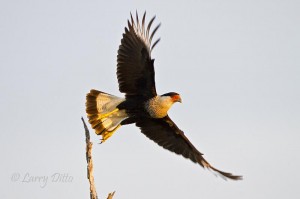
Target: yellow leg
[[108, 134], [108, 114]]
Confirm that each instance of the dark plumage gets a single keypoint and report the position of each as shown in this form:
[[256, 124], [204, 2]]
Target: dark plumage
[[135, 70], [142, 105]]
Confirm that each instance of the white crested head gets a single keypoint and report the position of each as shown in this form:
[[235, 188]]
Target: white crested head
[[159, 106]]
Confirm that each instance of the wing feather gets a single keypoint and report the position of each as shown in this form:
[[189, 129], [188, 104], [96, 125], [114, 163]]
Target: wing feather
[[166, 134], [135, 69]]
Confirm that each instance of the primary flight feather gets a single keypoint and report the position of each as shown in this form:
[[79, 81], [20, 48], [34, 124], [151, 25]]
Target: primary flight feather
[[141, 105]]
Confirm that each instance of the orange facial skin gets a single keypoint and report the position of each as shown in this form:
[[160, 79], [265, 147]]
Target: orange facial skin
[[176, 98]]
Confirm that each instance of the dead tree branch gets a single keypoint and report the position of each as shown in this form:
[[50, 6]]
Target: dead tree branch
[[110, 195], [89, 160], [90, 166]]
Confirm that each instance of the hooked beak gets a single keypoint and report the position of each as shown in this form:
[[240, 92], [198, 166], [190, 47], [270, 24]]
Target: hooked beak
[[178, 99]]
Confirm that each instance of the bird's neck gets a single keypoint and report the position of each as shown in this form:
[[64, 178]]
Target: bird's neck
[[158, 106]]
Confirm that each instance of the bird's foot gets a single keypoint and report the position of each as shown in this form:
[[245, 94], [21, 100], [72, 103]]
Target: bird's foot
[[108, 134]]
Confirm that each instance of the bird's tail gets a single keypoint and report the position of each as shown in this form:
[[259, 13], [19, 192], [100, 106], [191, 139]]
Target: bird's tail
[[103, 114]]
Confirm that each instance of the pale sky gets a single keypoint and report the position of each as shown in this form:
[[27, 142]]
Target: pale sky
[[236, 65]]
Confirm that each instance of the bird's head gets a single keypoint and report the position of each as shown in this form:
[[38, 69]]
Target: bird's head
[[175, 97]]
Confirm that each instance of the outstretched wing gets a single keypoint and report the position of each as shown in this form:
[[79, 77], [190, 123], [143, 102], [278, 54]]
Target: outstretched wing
[[135, 70], [166, 134]]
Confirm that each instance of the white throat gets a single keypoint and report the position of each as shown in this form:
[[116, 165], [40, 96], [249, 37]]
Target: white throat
[[158, 106]]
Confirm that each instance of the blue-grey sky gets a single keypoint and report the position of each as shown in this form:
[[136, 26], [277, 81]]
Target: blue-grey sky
[[236, 65]]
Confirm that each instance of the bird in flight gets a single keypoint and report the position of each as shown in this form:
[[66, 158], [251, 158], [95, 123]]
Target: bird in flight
[[142, 105]]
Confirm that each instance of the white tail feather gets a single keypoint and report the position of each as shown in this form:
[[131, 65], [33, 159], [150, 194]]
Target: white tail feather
[[100, 109]]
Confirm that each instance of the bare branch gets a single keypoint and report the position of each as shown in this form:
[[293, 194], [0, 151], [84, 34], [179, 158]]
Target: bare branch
[[90, 167], [110, 195], [89, 160]]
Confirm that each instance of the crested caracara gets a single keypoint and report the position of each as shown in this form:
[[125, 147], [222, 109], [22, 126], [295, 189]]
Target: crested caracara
[[141, 105]]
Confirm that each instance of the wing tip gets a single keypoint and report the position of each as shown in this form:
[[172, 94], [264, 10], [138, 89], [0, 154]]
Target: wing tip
[[142, 31], [217, 172], [225, 175]]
